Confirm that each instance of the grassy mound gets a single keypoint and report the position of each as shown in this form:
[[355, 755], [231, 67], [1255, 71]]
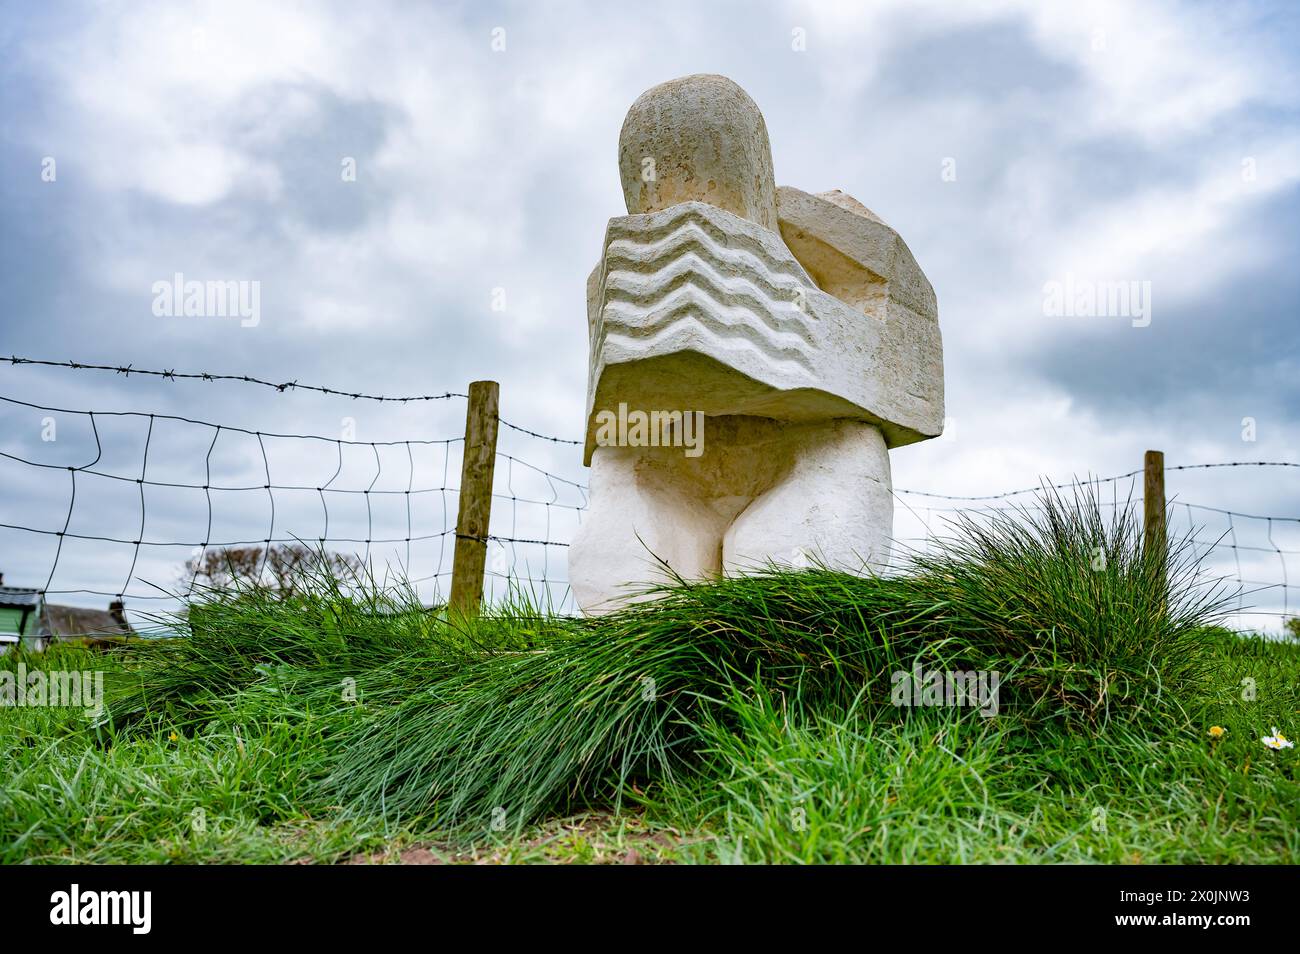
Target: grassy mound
[[754, 716]]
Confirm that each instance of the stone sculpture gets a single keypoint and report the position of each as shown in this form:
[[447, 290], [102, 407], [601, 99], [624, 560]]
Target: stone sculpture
[[797, 328]]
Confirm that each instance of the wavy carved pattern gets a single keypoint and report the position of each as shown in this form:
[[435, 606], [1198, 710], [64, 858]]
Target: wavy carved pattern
[[687, 277]]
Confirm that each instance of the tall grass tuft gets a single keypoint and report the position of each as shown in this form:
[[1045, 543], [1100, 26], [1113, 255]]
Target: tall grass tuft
[[330, 627], [1066, 597]]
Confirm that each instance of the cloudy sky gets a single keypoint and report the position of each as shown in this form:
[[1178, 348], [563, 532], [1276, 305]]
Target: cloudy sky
[[1012, 144]]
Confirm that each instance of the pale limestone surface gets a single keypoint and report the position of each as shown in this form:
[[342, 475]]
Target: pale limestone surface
[[799, 324], [705, 141]]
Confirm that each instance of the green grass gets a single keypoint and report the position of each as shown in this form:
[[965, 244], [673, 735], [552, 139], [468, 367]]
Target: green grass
[[746, 720]]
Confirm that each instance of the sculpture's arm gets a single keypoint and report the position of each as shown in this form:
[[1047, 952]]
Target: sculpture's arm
[[851, 254]]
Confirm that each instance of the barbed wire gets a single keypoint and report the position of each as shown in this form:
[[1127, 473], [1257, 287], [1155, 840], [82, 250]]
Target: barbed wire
[[126, 370], [544, 437], [294, 385], [172, 375]]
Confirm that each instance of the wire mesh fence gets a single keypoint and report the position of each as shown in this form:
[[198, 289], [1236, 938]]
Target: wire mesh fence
[[126, 505]]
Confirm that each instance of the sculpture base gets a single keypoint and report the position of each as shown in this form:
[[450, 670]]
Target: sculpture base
[[763, 492]]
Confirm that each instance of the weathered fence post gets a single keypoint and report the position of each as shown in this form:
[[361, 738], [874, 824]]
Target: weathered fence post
[[1153, 503], [475, 499]]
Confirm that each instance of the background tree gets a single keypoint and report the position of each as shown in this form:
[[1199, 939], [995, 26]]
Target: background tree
[[283, 568]]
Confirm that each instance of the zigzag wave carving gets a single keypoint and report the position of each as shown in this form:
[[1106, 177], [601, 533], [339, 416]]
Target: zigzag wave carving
[[725, 338], [646, 246], [731, 288], [727, 291], [639, 321]]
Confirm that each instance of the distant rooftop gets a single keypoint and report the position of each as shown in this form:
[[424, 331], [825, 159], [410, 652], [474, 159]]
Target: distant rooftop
[[19, 596], [62, 622]]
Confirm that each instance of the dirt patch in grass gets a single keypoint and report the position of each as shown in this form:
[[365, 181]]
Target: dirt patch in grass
[[592, 838]]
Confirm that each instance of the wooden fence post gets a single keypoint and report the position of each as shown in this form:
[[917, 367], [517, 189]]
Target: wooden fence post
[[1153, 502], [475, 510]]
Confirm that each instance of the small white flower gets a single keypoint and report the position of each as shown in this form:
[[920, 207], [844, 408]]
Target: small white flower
[[1277, 740]]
